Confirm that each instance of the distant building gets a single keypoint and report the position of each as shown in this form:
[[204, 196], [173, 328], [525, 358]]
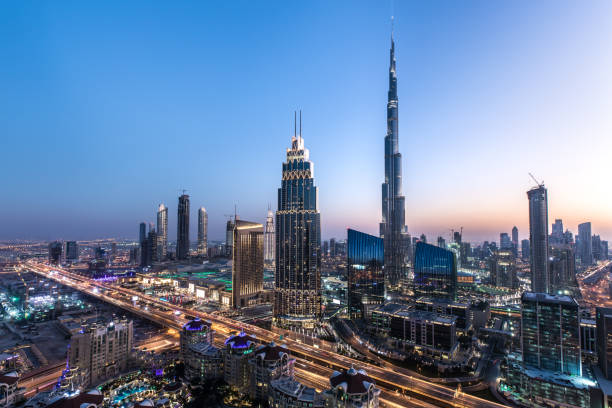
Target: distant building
[[352, 388], [525, 250], [229, 238], [332, 247], [162, 232], [596, 244], [551, 333], [72, 251], [366, 281], [248, 263], [504, 241], [152, 247], [142, 232], [202, 231], [435, 272], [269, 238], [55, 253], [269, 362], [441, 242], [585, 248], [562, 268], [538, 237], [182, 230], [557, 236], [503, 269], [515, 242], [101, 351]]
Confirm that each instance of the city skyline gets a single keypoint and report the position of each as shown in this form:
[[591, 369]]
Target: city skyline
[[441, 114]]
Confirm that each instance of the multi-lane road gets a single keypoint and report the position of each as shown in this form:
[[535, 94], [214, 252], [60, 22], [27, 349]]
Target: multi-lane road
[[398, 389]]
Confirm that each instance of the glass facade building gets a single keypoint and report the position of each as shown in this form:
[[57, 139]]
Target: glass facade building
[[202, 231], [603, 318], [550, 335], [538, 237], [435, 272], [297, 292], [182, 238], [162, 232], [366, 281], [248, 263]]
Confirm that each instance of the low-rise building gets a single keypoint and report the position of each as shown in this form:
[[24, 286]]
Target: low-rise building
[[270, 362], [352, 389]]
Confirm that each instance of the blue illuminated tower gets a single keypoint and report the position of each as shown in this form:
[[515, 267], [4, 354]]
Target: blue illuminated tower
[[392, 228]]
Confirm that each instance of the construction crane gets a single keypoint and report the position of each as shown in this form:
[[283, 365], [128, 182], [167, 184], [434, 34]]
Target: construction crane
[[536, 181]]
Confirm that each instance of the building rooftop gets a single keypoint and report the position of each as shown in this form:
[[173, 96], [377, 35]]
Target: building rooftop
[[352, 381], [93, 397], [271, 351], [289, 386], [204, 348], [548, 298], [197, 324], [240, 341]]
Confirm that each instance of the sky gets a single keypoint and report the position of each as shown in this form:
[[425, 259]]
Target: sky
[[110, 108]]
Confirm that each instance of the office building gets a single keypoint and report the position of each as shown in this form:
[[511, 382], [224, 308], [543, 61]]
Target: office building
[[504, 241], [269, 240], [325, 250], [182, 229], [515, 242], [248, 263], [435, 272], [562, 268], [145, 256], [142, 232], [72, 251], [538, 238], [332, 247], [366, 281], [392, 227], [441, 242], [525, 251], [202, 232], [550, 334], [503, 269], [352, 388], [229, 237], [55, 253], [585, 244], [557, 235], [297, 294], [270, 362], [101, 351], [604, 250], [152, 247], [596, 247], [162, 232], [603, 320]]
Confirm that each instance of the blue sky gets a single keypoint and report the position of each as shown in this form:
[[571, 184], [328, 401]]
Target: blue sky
[[110, 108]]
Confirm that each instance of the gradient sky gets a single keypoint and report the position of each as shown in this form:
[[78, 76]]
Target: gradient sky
[[110, 108]]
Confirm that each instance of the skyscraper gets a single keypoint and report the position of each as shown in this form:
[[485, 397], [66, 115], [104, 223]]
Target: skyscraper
[[503, 269], [586, 244], [556, 235], [162, 232], [603, 317], [142, 232], [538, 238], [248, 263], [55, 253], [504, 241], [515, 243], [392, 228], [525, 251], [229, 237], [366, 281], [297, 294], [182, 229], [269, 241], [72, 251], [202, 231], [435, 272]]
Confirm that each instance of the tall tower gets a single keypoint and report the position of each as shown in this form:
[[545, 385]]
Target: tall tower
[[182, 229], [538, 237], [585, 248], [248, 263], [202, 231], [162, 232], [392, 228], [269, 237], [297, 292]]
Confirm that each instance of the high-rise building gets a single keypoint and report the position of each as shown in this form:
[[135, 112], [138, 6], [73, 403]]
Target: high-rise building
[[202, 231], [441, 242], [72, 251], [525, 252], [182, 230], [325, 248], [102, 350], [504, 241], [55, 253], [332, 247], [393, 226], [366, 280], [585, 248], [435, 272], [248, 263], [195, 331], [557, 235], [229, 237], [152, 247], [503, 269], [297, 294], [562, 268], [142, 232], [550, 333], [515, 241], [457, 237], [596, 245], [269, 241], [538, 238], [162, 232], [604, 250], [603, 318]]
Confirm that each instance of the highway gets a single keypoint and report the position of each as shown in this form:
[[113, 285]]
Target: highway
[[405, 389]]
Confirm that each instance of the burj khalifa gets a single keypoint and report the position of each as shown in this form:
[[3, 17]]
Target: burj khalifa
[[392, 228]]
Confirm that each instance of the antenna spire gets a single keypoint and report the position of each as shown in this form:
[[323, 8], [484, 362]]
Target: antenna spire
[[300, 123]]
